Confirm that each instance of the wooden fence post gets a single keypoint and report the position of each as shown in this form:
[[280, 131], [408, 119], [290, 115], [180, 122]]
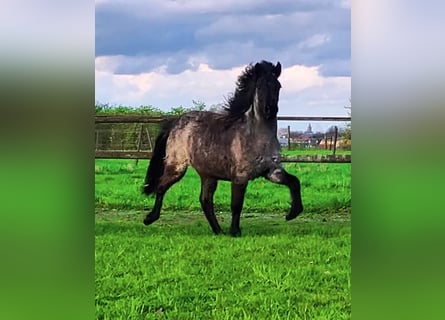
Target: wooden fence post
[[288, 138], [139, 141], [335, 138], [149, 139], [97, 140]]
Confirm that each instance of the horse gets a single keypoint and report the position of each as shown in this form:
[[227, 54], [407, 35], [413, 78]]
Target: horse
[[238, 144]]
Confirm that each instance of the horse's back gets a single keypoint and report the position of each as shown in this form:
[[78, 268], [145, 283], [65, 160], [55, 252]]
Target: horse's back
[[216, 147]]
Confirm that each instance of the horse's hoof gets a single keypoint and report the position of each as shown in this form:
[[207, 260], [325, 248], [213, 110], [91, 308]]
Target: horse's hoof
[[149, 219], [294, 213], [218, 232], [235, 233]]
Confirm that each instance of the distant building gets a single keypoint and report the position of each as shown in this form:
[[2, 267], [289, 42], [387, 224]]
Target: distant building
[[307, 140], [308, 131]]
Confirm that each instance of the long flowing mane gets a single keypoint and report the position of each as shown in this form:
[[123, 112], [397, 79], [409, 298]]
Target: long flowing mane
[[241, 100]]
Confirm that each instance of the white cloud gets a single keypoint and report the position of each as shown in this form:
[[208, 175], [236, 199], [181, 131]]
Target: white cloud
[[315, 40], [164, 90], [176, 51], [108, 63], [298, 78], [305, 92]]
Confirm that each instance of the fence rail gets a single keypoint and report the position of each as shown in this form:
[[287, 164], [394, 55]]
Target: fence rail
[[143, 154], [158, 119], [129, 119]]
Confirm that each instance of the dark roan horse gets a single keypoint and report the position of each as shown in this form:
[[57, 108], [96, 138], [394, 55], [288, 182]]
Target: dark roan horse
[[237, 145]]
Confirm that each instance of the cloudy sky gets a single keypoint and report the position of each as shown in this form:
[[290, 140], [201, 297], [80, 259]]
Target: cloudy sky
[[169, 53]]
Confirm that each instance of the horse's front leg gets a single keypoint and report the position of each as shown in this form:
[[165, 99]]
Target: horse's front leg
[[281, 176], [208, 188], [238, 192]]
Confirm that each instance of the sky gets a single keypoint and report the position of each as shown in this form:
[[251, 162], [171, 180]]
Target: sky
[[169, 53]]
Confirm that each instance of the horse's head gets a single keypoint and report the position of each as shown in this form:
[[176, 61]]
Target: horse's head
[[257, 90], [267, 89]]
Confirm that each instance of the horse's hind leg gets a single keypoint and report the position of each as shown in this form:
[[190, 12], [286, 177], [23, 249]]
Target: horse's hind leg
[[208, 188], [155, 213], [170, 176], [238, 192], [280, 176]]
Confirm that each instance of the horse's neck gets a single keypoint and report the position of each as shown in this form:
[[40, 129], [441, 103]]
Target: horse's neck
[[264, 125], [258, 123]]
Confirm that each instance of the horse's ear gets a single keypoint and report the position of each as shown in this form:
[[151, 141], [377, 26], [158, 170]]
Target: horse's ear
[[277, 69]]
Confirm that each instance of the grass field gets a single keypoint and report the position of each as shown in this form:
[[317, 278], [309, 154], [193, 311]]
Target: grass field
[[177, 269], [325, 187]]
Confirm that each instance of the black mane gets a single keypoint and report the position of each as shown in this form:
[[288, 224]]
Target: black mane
[[239, 102]]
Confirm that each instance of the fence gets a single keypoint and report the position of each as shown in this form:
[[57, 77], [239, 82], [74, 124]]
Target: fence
[[143, 138]]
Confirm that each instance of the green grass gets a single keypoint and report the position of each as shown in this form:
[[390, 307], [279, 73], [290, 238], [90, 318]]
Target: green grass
[[324, 186], [177, 269]]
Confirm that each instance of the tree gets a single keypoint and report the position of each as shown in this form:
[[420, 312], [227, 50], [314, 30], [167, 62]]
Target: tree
[[347, 135], [216, 107], [198, 105]]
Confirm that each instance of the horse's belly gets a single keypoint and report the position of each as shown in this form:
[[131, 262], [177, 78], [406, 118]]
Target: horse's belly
[[224, 168], [212, 165]]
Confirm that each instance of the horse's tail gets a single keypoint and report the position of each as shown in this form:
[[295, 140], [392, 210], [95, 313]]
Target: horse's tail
[[156, 166]]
